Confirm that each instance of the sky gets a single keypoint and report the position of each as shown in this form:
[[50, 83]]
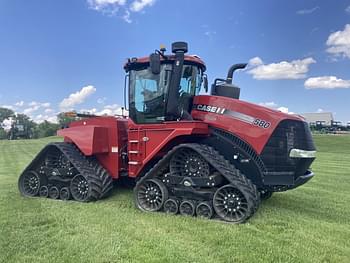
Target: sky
[[59, 55]]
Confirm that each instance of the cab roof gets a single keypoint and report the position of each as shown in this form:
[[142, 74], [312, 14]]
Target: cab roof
[[135, 63]]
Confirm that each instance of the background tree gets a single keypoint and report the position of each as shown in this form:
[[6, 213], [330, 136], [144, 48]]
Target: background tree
[[64, 120], [45, 129], [5, 114]]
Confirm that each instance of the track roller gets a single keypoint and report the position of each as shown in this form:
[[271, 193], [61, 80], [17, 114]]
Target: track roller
[[65, 193], [171, 206], [187, 208], [204, 210], [150, 195], [44, 191], [265, 194], [54, 192]]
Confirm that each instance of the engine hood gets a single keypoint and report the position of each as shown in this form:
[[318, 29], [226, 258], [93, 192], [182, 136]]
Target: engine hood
[[252, 123]]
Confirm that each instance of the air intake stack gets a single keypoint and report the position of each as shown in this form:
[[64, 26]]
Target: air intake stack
[[224, 87]]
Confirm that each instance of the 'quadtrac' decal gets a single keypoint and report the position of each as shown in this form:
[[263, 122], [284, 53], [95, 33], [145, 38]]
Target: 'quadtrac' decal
[[233, 114]]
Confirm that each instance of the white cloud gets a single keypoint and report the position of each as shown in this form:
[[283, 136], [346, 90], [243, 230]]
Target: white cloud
[[101, 100], [320, 110], [48, 110], [139, 5], [35, 106], [270, 104], [284, 110], [19, 103], [210, 34], [29, 111], [112, 7], [109, 110], [106, 6], [10, 107], [295, 69], [6, 124], [347, 10], [307, 11], [33, 103], [275, 106], [326, 82], [126, 17], [45, 105], [339, 42], [41, 118], [255, 62], [77, 98]]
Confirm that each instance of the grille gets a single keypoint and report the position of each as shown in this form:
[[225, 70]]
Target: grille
[[289, 134]]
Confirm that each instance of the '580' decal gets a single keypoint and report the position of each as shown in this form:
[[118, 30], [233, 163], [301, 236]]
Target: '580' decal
[[261, 123]]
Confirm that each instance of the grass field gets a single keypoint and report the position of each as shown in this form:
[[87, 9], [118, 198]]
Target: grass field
[[309, 224]]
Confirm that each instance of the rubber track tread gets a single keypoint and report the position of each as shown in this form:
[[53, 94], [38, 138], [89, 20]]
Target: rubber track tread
[[82, 165], [215, 159]]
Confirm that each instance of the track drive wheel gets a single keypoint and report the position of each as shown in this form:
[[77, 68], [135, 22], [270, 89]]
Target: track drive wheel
[[187, 162], [29, 183], [235, 203], [150, 195]]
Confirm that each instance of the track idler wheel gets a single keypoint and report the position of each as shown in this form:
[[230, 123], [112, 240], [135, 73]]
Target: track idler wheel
[[204, 210], [171, 206], [150, 195], [80, 188], [187, 208], [29, 183], [65, 194], [233, 204], [44, 191], [54, 192]]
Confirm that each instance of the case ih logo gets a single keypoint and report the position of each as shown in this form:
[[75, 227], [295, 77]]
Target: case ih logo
[[209, 108], [233, 114]]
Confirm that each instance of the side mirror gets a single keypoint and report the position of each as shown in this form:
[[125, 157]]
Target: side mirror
[[205, 82], [154, 61]]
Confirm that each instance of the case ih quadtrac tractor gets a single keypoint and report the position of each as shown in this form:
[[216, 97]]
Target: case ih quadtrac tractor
[[213, 156]]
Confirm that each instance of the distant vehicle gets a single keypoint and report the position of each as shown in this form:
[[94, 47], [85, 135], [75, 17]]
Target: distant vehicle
[[19, 131], [319, 126], [337, 126]]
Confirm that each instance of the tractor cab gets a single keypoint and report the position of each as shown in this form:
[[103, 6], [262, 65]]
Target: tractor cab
[[162, 87]]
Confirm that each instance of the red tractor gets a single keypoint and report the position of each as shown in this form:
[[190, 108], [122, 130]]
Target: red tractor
[[213, 156]]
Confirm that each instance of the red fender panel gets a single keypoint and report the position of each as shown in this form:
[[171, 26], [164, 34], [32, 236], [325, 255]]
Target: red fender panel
[[89, 139]]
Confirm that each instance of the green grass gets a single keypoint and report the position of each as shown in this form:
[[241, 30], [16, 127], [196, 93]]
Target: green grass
[[308, 224]]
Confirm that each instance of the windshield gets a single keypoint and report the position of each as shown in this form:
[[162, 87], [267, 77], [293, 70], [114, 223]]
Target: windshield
[[191, 80], [148, 92]]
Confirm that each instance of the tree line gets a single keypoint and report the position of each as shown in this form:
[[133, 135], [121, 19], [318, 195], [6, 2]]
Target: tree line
[[34, 130]]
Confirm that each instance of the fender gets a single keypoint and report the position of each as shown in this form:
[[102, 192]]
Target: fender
[[89, 139]]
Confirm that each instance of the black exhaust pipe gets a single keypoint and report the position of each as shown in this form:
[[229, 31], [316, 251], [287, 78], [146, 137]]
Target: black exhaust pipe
[[232, 69]]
